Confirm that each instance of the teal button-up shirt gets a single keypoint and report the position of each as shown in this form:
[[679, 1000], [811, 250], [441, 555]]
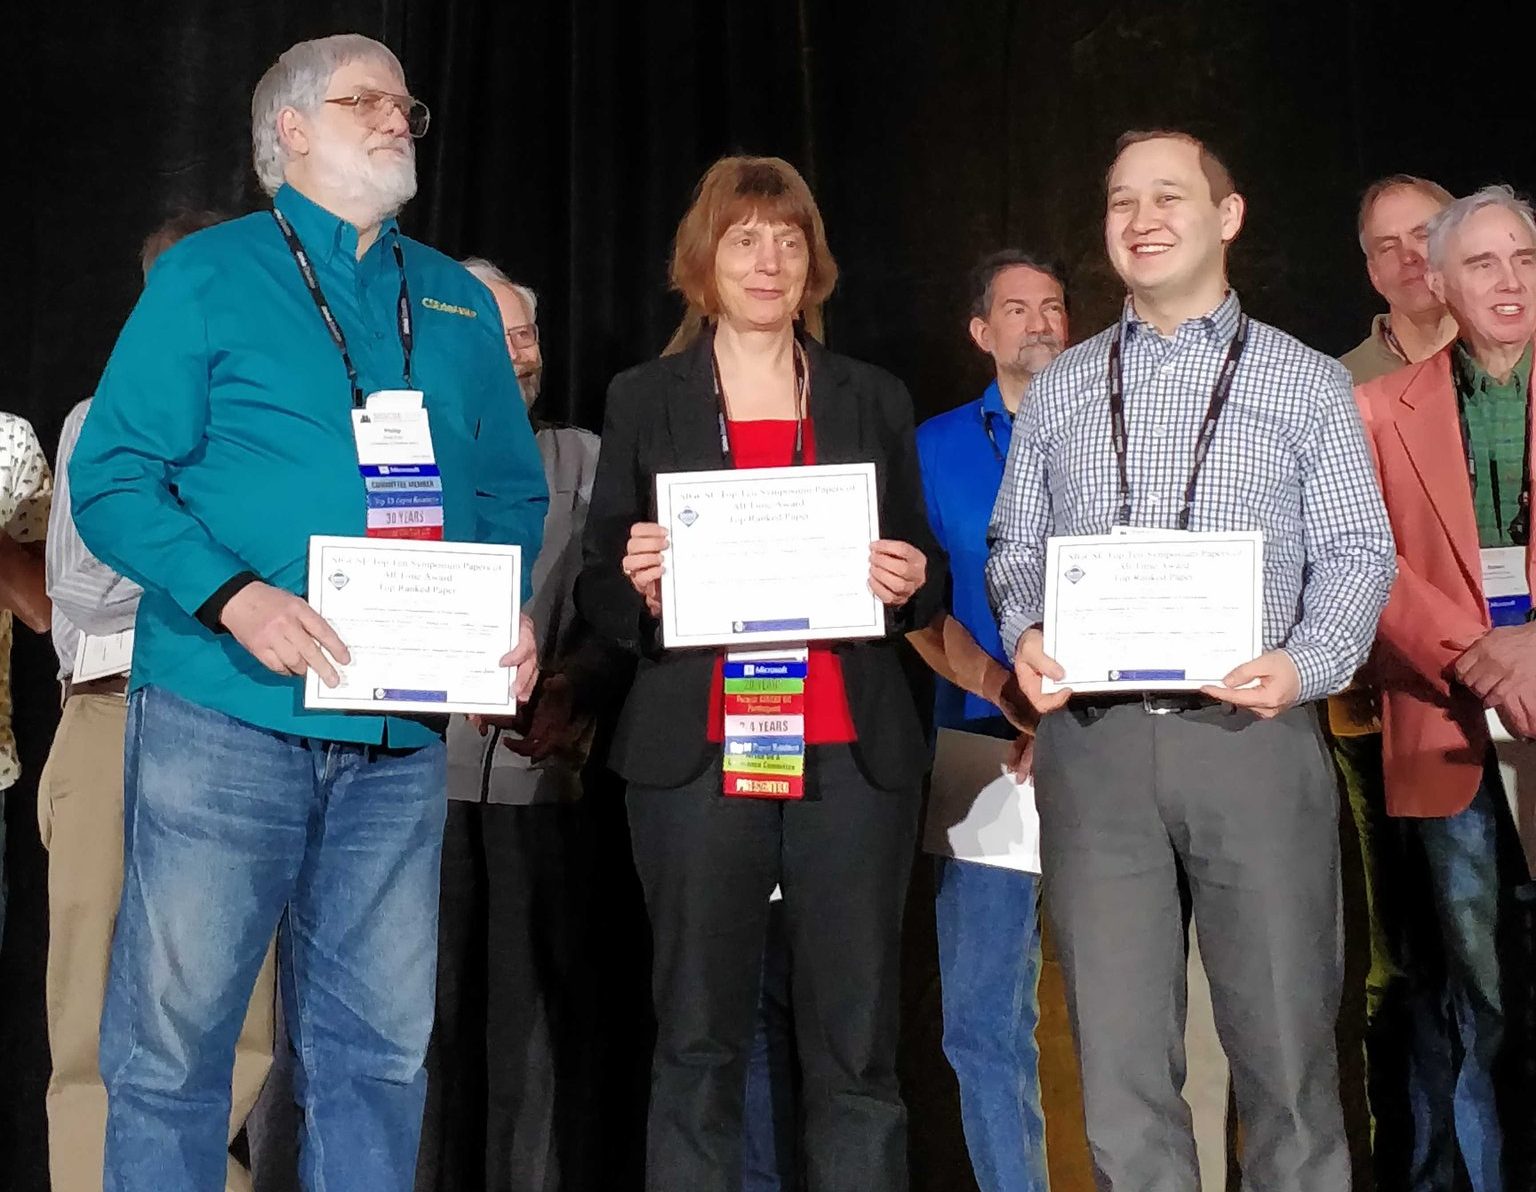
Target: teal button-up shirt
[[221, 439]]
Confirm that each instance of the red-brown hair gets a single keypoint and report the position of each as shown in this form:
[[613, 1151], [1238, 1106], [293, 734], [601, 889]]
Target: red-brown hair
[[733, 190]]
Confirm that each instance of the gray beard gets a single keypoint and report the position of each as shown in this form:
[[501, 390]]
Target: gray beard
[[530, 386], [382, 192]]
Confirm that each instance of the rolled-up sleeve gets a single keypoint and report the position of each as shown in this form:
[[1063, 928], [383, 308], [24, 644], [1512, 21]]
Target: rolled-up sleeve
[[1351, 559], [149, 417]]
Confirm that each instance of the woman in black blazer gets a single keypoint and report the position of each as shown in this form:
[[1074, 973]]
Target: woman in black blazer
[[740, 383]]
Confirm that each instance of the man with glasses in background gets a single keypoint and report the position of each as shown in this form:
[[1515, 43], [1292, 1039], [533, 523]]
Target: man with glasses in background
[[221, 439], [508, 1069]]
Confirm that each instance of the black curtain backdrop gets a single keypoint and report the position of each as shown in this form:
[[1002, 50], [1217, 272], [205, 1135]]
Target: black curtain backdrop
[[567, 136]]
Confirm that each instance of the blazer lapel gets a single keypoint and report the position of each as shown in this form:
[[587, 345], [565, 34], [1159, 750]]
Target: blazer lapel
[[1430, 433], [833, 410], [691, 410]]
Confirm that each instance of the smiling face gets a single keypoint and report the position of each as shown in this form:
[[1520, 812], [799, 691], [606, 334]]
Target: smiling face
[[1487, 276], [1165, 234], [760, 272], [1395, 236]]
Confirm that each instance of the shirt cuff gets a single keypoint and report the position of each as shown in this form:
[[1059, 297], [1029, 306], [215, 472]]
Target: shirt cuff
[[212, 609], [1317, 668], [1012, 628]]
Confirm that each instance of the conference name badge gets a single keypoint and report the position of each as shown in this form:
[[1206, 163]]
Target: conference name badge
[[402, 486], [764, 740], [1504, 585]]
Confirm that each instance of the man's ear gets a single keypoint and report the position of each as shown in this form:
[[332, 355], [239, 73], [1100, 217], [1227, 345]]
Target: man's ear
[[981, 334], [292, 133], [1233, 209]]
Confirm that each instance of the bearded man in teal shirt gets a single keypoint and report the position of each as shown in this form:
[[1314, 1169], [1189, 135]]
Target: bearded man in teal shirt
[[220, 441]]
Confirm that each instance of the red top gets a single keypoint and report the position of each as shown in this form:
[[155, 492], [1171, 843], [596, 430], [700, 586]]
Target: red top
[[771, 444]]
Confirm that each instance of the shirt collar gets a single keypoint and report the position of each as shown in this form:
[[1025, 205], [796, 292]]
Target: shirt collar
[[992, 403], [324, 234], [1218, 325], [1381, 332], [1475, 382]]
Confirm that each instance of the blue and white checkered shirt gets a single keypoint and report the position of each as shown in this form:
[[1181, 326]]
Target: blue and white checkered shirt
[[1289, 459]]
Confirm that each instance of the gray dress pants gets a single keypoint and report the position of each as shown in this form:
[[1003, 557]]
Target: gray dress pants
[[1247, 808]]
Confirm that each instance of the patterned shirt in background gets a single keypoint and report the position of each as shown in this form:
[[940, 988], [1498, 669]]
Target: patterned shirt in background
[[1289, 458], [1493, 422], [26, 489]]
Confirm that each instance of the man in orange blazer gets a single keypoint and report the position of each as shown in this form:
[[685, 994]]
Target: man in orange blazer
[[1451, 440]]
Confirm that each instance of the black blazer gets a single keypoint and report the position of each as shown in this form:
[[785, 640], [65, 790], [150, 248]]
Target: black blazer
[[661, 417]]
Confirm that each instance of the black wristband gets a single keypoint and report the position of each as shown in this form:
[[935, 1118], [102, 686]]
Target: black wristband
[[213, 608]]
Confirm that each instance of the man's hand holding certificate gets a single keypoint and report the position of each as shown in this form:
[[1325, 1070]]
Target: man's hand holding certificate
[[1152, 611], [425, 627]]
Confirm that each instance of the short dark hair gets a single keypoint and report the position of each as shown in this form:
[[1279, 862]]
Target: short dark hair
[[1217, 176], [1430, 190], [984, 275], [178, 227]]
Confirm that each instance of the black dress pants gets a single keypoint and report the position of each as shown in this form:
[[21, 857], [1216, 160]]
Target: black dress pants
[[707, 863], [508, 1068]]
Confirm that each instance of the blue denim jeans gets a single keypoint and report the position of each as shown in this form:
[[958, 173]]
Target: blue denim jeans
[[226, 825], [1457, 950], [989, 971]]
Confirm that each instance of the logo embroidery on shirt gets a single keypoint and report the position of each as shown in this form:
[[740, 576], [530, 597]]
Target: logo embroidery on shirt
[[449, 308]]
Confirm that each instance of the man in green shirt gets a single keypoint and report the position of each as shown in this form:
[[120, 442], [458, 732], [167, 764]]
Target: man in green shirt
[[1493, 420], [221, 439], [1449, 437]]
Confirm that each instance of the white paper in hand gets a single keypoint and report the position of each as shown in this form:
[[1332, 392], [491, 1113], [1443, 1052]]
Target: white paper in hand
[[976, 810]]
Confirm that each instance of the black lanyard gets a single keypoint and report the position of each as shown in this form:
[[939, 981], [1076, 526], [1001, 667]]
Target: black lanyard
[[1117, 433], [312, 283], [801, 378], [986, 423]]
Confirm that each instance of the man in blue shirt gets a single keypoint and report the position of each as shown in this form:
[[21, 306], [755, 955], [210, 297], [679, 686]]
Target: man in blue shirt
[[220, 441], [987, 915]]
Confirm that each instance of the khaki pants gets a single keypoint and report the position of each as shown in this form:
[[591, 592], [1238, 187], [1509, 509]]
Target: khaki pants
[[80, 815]]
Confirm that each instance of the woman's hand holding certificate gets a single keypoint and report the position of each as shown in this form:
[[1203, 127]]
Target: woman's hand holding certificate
[[643, 562], [765, 555]]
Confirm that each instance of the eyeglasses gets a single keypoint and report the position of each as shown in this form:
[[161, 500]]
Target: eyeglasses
[[525, 335], [374, 107]]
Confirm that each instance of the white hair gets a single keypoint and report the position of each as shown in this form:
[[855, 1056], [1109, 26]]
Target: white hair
[[298, 80], [1446, 222], [491, 274]]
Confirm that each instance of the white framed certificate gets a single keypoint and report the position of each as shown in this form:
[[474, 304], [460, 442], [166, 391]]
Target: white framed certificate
[[768, 555], [426, 623], [1168, 611]]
